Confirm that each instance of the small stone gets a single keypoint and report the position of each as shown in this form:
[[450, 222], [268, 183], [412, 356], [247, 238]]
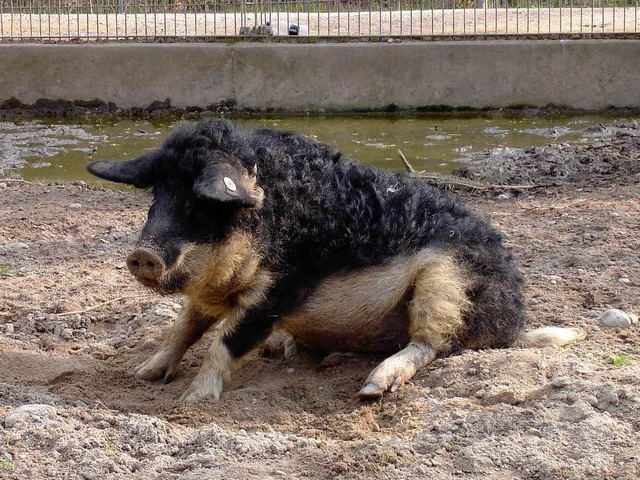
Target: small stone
[[66, 334], [560, 382], [615, 318], [3, 185], [13, 247], [575, 413], [624, 280], [633, 317], [503, 196], [29, 413], [75, 205]]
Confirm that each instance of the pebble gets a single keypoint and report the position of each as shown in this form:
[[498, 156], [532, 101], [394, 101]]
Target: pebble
[[29, 413], [503, 196], [624, 280], [66, 334], [561, 382], [615, 318], [75, 205], [575, 413], [13, 247]]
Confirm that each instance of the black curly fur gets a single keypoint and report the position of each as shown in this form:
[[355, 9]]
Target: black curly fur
[[324, 214]]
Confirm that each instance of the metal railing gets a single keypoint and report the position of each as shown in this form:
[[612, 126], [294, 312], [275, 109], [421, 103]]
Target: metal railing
[[98, 20]]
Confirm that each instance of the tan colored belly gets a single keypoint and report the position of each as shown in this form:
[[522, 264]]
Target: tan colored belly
[[360, 311]]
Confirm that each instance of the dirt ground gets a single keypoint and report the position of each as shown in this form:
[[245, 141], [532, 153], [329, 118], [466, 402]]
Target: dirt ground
[[74, 324]]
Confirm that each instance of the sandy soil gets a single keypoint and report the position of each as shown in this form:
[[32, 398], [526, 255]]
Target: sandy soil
[[437, 22], [72, 409]]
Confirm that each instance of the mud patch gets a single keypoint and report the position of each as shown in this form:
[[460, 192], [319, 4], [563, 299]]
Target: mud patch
[[20, 142]]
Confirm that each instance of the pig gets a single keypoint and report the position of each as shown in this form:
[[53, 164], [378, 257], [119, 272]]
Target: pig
[[264, 230]]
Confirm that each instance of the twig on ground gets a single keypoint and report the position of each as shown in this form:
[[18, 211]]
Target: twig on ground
[[407, 165], [460, 182], [104, 407], [94, 307], [552, 206], [18, 180]]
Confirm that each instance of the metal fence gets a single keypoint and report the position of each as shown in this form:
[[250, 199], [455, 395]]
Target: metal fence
[[101, 20]]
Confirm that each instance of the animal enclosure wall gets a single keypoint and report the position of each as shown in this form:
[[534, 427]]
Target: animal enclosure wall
[[582, 74]]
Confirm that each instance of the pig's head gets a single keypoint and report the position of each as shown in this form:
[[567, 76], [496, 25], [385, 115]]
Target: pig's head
[[198, 196]]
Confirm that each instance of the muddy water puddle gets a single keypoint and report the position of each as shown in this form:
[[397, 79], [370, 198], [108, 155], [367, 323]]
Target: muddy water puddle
[[53, 151]]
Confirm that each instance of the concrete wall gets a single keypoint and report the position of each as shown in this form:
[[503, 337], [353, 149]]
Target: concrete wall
[[581, 74]]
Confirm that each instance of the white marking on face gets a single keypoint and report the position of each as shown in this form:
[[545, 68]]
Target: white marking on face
[[230, 184]]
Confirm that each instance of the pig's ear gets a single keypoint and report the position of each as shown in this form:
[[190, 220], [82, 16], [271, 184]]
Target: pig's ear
[[137, 172], [229, 184]]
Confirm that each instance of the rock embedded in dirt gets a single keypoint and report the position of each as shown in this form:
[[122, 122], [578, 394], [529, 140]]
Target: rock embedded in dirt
[[34, 413], [615, 318]]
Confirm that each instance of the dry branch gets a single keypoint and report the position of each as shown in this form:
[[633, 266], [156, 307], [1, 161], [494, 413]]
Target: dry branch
[[94, 307], [452, 181]]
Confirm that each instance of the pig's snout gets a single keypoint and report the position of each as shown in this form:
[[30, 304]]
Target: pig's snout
[[146, 266]]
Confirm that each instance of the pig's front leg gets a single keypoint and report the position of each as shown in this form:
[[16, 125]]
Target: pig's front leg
[[215, 371], [187, 329], [231, 342]]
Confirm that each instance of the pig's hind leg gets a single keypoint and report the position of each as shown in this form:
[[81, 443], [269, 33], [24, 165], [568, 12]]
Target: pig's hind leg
[[435, 314], [188, 329]]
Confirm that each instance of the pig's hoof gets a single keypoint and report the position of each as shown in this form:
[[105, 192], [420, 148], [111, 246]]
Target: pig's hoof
[[397, 369], [159, 366], [279, 344], [378, 384], [332, 360], [207, 385], [290, 348], [371, 390], [375, 390]]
